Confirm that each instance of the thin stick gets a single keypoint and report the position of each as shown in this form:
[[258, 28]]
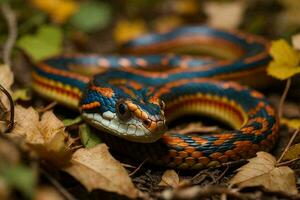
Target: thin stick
[[12, 109], [282, 99], [58, 186], [288, 145], [11, 21], [138, 168], [287, 162], [222, 175], [48, 107]]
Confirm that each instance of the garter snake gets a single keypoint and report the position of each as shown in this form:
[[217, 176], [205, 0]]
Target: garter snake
[[165, 76]]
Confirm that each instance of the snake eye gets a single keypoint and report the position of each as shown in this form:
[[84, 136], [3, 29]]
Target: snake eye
[[162, 104], [122, 110]]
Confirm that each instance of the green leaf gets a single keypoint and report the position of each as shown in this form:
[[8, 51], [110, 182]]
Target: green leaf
[[45, 43], [21, 178], [70, 122], [92, 16], [88, 138], [22, 94]]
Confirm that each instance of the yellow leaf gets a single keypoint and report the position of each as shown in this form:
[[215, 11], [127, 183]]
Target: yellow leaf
[[284, 54], [22, 94], [261, 171], [186, 6], [95, 168], [292, 153], [169, 178], [59, 10], [282, 71], [291, 123], [166, 23], [127, 30]]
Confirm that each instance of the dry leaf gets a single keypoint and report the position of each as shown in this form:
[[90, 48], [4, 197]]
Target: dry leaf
[[47, 193], [95, 168], [6, 80], [226, 15], [169, 178], [292, 153], [46, 136], [296, 41], [261, 170], [9, 154], [4, 190]]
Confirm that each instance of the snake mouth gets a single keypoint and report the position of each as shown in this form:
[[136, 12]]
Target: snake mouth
[[132, 130]]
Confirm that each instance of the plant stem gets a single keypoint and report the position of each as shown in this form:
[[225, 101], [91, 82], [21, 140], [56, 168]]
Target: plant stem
[[283, 97]]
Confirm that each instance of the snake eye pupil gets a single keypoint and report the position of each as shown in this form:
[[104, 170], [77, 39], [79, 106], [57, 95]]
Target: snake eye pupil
[[122, 110], [162, 104]]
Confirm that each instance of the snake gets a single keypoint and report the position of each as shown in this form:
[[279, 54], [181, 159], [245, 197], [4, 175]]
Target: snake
[[133, 95]]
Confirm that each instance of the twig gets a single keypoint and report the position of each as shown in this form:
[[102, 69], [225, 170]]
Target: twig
[[138, 168], [222, 175], [46, 108], [282, 99], [58, 186], [12, 109], [287, 162], [11, 21], [288, 145]]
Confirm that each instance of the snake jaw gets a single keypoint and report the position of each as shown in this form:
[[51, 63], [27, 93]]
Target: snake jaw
[[133, 129]]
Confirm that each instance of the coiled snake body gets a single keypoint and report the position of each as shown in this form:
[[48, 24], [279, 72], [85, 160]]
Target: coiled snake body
[[134, 96]]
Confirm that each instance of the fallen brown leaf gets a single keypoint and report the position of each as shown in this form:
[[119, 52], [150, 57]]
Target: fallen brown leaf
[[46, 136], [292, 153], [227, 15], [47, 193], [4, 190], [261, 171], [8, 153], [169, 178], [6, 80], [95, 168], [296, 41]]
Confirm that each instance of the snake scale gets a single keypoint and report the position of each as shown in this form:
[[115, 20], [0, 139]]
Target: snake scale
[[167, 76]]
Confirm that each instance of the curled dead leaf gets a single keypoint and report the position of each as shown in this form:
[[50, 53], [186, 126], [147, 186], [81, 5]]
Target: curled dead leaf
[[95, 168], [169, 178], [46, 136], [6, 80], [262, 171]]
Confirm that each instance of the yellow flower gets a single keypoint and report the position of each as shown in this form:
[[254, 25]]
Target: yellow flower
[[285, 62], [126, 30], [58, 10]]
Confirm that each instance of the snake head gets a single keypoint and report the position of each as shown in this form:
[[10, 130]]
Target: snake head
[[113, 111]]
